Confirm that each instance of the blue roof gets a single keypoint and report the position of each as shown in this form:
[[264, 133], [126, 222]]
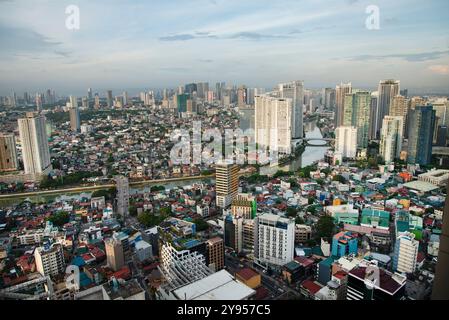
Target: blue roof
[[78, 261]]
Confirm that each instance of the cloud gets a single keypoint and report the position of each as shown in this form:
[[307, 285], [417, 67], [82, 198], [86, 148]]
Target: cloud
[[255, 36], [178, 37], [239, 35], [440, 69], [206, 60], [410, 57]]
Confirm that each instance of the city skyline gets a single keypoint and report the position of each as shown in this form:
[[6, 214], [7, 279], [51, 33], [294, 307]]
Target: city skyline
[[137, 45]]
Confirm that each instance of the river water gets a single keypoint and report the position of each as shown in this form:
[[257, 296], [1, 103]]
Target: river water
[[309, 156]]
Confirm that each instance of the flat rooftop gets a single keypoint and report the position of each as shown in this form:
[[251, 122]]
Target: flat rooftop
[[421, 186]]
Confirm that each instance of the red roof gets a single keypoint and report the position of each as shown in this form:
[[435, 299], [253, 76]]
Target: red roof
[[311, 286], [340, 274], [305, 262], [247, 273], [261, 293]]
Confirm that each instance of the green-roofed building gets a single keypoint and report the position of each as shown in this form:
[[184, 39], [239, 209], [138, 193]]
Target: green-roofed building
[[375, 218]]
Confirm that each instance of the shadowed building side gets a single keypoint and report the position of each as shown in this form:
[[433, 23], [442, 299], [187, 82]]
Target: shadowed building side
[[441, 281]]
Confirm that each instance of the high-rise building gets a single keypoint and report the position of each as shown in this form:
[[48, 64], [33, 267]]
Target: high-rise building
[[388, 89], [274, 240], [373, 116], [346, 141], [295, 91], [405, 253], [391, 138], [442, 115], [442, 134], [247, 117], [340, 93], [97, 101], [241, 96], [8, 154], [75, 122], [356, 113], [215, 253], [227, 183], [233, 233], [49, 259], [34, 141], [85, 103], [344, 243], [114, 254], [89, 94], [273, 123], [422, 123], [181, 101], [329, 98], [399, 108], [122, 185], [125, 98], [38, 102], [109, 98]]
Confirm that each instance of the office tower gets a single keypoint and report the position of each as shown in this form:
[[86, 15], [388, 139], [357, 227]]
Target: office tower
[[114, 254], [247, 117], [181, 101], [442, 116], [49, 259], [227, 183], [38, 102], [191, 88], [422, 123], [388, 89], [329, 98], [274, 240], [233, 233], [442, 135], [340, 92], [122, 198], [241, 96], [404, 93], [373, 116], [215, 253], [97, 101], [125, 98], [391, 138], [343, 244], [295, 91], [109, 98], [219, 88], [8, 154], [34, 141], [89, 94], [250, 94], [405, 253], [368, 281], [74, 114], [356, 113], [273, 121], [346, 142], [441, 282], [85, 103], [399, 108]]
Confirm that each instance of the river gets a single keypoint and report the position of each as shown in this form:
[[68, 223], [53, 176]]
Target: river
[[308, 157]]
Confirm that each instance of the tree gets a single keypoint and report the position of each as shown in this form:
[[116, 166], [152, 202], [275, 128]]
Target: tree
[[291, 212], [59, 219], [339, 178], [201, 225], [133, 211], [299, 220], [325, 227]]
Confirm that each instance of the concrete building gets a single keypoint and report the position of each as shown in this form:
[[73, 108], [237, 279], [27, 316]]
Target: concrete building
[[233, 233], [122, 200], [8, 153], [303, 233], [49, 259], [75, 122], [388, 89], [435, 177], [399, 108], [405, 253], [114, 254], [295, 91], [215, 253], [422, 123], [391, 138], [227, 183], [346, 141], [356, 113], [273, 123], [143, 250], [34, 142], [340, 92], [274, 240], [344, 244]]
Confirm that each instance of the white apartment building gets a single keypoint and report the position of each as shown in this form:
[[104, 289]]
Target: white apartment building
[[295, 91], [274, 240], [435, 177], [34, 141], [49, 261], [405, 253], [391, 138], [273, 123], [226, 183], [346, 141]]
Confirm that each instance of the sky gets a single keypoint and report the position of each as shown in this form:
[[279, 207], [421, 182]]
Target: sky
[[155, 44]]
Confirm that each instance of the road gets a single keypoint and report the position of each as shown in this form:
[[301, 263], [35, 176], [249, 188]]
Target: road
[[99, 187]]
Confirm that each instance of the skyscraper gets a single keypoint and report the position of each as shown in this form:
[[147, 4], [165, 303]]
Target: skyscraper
[[241, 96], [295, 91], [274, 240], [391, 138], [340, 93], [215, 253], [89, 94], [388, 89], [227, 183], [122, 185], [97, 101], [49, 260], [422, 123], [34, 141], [356, 113], [373, 116], [114, 254], [8, 154], [74, 114], [181, 101], [405, 253], [38, 102], [273, 121], [399, 108], [329, 98], [346, 141], [109, 98]]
